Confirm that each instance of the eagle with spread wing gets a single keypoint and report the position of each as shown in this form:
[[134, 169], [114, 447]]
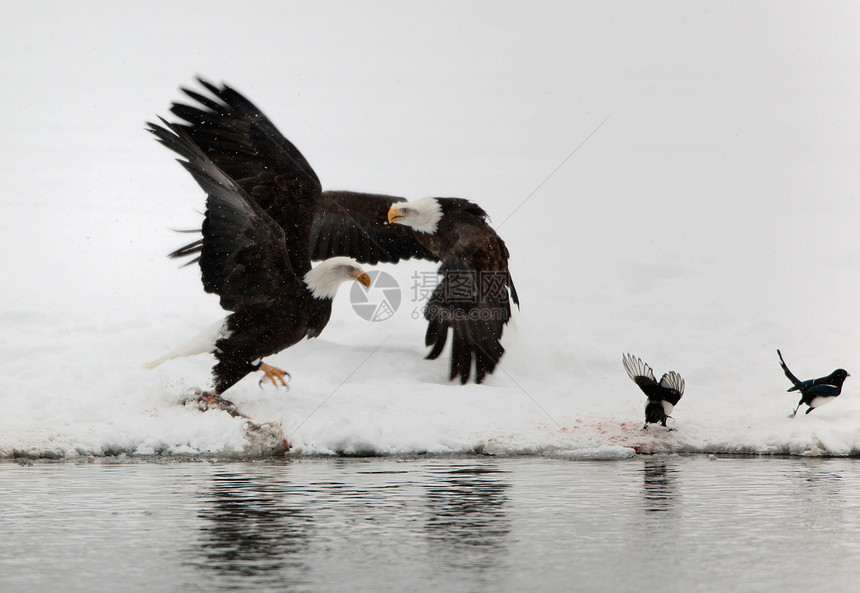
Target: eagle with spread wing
[[473, 298], [261, 272]]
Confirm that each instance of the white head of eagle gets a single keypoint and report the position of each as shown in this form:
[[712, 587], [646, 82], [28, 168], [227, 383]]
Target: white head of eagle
[[423, 215], [324, 280]]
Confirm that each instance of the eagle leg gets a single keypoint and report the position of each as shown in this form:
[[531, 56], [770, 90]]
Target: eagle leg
[[274, 375]]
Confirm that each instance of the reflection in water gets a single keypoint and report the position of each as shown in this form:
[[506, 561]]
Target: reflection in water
[[671, 524], [467, 523], [250, 531], [658, 485], [818, 492]]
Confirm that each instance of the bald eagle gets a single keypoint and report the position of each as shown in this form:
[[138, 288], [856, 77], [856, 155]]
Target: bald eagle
[[276, 299], [473, 296]]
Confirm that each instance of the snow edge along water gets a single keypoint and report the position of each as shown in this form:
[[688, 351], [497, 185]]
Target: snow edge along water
[[243, 440]]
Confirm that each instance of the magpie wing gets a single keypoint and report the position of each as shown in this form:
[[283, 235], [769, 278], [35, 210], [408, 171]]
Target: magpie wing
[[674, 385]]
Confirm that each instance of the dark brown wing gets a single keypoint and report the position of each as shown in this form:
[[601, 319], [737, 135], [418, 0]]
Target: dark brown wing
[[245, 145], [243, 258], [356, 225], [473, 299]]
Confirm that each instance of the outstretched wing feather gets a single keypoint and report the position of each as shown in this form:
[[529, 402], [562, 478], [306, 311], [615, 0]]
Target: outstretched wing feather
[[243, 257], [673, 383], [638, 370], [248, 147]]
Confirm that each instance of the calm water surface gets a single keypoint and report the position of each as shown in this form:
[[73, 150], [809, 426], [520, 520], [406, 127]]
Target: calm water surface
[[477, 524]]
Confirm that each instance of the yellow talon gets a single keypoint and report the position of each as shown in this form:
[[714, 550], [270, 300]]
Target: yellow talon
[[274, 375]]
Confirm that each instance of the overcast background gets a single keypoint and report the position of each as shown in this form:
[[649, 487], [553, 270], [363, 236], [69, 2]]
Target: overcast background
[[675, 179]]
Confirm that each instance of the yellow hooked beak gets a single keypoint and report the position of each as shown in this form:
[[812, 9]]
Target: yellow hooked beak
[[363, 278], [394, 214]]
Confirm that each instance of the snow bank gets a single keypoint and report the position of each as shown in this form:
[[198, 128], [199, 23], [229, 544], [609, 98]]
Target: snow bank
[[364, 389]]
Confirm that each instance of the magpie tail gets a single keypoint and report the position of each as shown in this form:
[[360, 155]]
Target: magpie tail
[[797, 383]]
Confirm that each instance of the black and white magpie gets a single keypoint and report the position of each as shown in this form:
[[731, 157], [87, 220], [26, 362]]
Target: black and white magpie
[[662, 396], [815, 392]]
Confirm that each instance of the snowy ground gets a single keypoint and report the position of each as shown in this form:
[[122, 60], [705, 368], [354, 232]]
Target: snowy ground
[[710, 220]]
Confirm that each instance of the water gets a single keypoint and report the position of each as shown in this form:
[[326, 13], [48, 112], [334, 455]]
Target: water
[[474, 524]]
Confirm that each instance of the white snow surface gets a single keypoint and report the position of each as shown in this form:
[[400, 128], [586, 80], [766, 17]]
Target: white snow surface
[[711, 219]]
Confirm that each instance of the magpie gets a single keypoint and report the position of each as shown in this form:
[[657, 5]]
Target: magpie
[[662, 396], [815, 392]]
